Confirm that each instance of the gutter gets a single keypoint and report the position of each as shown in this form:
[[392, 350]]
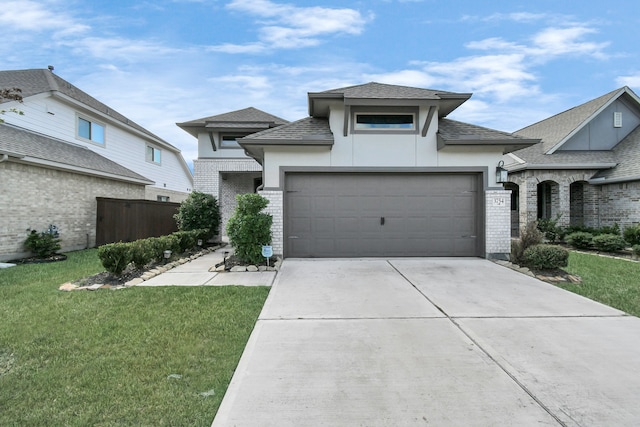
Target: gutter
[[569, 166], [602, 181]]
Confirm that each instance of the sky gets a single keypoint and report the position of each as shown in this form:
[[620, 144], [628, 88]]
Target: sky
[[165, 61]]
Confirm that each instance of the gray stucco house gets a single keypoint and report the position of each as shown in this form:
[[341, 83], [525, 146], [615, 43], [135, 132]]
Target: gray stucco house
[[586, 169], [379, 170]]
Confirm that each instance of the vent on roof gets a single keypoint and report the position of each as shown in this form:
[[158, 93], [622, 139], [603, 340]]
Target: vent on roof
[[617, 119]]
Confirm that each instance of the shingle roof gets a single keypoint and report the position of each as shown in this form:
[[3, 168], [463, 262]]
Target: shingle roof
[[452, 129], [556, 129], [310, 129], [375, 90], [627, 155], [22, 143], [248, 115], [36, 81]]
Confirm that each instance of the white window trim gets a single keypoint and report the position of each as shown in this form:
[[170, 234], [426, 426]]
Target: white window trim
[[233, 147], [148, 158], [92, 122]]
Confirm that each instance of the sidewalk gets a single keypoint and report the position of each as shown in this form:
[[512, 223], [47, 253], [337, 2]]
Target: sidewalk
[[201, 272]]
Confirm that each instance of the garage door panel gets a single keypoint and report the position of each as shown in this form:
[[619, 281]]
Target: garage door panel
[[339, 215]]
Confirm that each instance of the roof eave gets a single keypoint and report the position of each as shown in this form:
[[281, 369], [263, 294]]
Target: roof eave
[[602, 181], [559, 166], [508, 145]]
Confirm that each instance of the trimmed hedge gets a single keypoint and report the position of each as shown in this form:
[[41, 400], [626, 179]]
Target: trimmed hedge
[[580, 239], [546, 257], [115, 257], [608, 242], [632, 235]]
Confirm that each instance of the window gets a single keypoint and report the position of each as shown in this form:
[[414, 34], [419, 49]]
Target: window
[[163, 198], [153, 155], [367, 121], [91, 130], [229, 141]]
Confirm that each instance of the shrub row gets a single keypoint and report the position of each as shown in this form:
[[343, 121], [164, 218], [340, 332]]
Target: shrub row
[[115, 257], [600, 242]]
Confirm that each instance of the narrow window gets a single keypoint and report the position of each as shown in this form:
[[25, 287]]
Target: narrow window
[[229, 141], [385, 121], [153, 155], [91, 130], [163, 198]]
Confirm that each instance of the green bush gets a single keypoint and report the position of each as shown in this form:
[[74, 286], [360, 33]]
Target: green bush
[[550, 228], [636, 250], [608, 242], [546, 257], [43, 244], [141, 252], [609, 229], [186, 240], [249, 228], [115, 257], [632, 235], [200, 211], [530, 235], [580, 239]]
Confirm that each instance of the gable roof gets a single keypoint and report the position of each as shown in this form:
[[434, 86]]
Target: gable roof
[[558, 129], [627, 155], [385, 94], [249, 119], [37, 81], [30, 147], [452, 133]]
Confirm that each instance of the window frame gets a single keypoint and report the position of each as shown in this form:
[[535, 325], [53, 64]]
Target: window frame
[[230, 147], [384, 111], [81, 118], [150, 157]]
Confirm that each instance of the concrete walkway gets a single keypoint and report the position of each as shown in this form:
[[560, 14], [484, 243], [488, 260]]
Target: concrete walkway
[[443, 342], [197, 273]]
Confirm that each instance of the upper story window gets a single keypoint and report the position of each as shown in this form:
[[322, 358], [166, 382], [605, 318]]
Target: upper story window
[[154, 155], [92, 131], [230, 141], [366, 121]]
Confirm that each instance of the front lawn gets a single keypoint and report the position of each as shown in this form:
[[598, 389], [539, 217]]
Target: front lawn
[[137, 356], [613, 282]]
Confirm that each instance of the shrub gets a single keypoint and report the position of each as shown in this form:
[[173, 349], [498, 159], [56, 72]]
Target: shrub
[[249, 228], [550, 228], [636, 250], [608, 242], [529, 236], [580, 239], [200, 211], [141, 252], [115, 257], [186, 240], [632, 235], [609, 229], [546, 257], [45, 243]]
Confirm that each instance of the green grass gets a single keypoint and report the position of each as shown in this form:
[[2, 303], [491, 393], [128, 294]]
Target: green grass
[[108, 358], [613, 282]]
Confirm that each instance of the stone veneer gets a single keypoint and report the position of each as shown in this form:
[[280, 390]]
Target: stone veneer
[[275, 209], [498, 224], [36, 197]]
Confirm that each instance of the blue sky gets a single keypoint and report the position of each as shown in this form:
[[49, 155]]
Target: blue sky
[[166, 61]]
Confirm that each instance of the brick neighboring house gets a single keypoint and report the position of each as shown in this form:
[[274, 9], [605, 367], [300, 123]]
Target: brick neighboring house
[[375, 170], [67, 149], [585, 170], [223, 168]]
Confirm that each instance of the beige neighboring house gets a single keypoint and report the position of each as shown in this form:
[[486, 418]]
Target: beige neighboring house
[[67, 149], [379, 170], [223, 168], [586, 169]]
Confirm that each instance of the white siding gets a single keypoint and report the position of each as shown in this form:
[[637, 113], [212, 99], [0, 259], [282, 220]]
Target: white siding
[[57, 119]]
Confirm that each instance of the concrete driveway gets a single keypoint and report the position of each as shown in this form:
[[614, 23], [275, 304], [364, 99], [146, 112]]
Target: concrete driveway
[[432, 341]]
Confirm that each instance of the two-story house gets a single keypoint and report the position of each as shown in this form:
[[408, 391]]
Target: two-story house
[[378, 170], [66, 149]]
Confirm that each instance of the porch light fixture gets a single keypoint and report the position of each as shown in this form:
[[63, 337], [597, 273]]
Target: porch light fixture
[[501, 173]]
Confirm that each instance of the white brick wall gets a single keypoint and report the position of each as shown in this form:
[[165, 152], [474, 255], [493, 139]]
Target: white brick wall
[[498, 223], [34, 197], [275, 209]]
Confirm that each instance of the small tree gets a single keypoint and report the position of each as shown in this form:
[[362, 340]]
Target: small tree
[[249, 228], [530, 235], [199, 211], [10, 94]]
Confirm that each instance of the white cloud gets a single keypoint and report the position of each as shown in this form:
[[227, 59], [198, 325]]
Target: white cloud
[[27, 15], [285, 26], [632, 81]]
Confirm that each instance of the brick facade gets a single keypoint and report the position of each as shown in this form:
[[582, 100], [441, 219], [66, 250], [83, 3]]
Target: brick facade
[[36, 197], [224, 179], [498, 223], [575, 200], [275, 209]]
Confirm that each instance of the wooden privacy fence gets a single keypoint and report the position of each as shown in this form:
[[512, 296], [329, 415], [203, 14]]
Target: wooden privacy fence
[[128, 220]]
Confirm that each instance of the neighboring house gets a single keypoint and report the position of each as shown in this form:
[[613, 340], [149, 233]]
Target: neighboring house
[[586, 169], [66, 150], [378, 170], [223, 169]]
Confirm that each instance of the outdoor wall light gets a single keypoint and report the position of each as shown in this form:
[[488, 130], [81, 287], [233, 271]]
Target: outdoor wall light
[[501, 173]]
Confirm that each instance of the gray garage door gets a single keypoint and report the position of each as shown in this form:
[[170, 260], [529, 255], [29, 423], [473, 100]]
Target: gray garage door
[[382, 214]]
